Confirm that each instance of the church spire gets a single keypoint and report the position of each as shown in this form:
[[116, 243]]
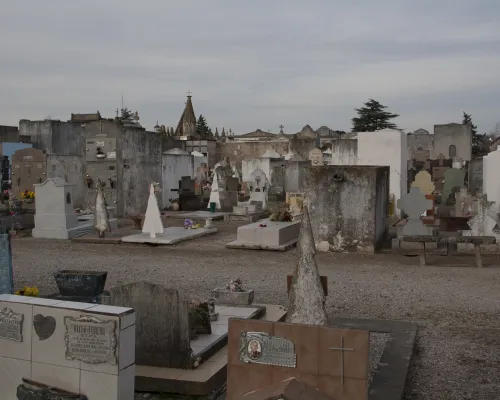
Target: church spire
[[223, 132], [187, 123], [216, 132]]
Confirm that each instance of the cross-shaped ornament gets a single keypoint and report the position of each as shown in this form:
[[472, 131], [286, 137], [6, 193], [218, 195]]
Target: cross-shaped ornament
[[342, 349], [189, 93]]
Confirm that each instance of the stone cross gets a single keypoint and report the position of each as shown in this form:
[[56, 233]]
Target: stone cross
[[342, 349], [423, 180], [414, 204]]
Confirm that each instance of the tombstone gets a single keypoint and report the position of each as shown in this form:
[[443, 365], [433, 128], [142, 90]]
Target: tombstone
[[162, 319], [277, 183], [316, 157], [259, 188], [454, 179], [233, 184], [306, 296], [152, 221], [262, 353], [423, 180], [224, 199], [29, 167], [464, 203], [6, 275], [189, 200], [55, 217], [483, 223], [414, 204]]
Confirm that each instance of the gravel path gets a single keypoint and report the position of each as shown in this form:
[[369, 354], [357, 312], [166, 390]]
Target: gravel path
[[455, 304]]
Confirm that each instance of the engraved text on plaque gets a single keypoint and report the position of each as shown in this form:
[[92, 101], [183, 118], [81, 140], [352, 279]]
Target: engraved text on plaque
[[260, 348], [11, 325], [90, 340]]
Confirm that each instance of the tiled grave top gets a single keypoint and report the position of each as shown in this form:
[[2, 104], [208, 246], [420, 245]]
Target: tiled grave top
[[220, 327]]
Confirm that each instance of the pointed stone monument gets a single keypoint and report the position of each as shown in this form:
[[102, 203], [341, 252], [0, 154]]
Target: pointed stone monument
[[101, 217], [152, 221], [306, 297]]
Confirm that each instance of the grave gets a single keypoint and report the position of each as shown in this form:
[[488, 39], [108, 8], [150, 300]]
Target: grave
[[266, 235], [168, 358], [423, 181], [55, 217], [220, 193], [200, 215], [348, 207], [259, 189], [154, 233], [50, 341], [188, 199], [316, 157], [483, 223], [6, 275]]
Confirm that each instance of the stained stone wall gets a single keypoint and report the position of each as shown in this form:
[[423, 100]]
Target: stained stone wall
[[348, 207]]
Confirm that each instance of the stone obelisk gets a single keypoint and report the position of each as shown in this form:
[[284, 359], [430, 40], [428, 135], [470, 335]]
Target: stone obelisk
[[101, 217], [306, 297]]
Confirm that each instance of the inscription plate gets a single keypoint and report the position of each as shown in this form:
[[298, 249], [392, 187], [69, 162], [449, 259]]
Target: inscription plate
[[261, 348], [90, 340], [11, 325]]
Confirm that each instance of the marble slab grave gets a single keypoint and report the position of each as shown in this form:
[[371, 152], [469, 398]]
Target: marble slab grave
[[171, 235], [267, 235]]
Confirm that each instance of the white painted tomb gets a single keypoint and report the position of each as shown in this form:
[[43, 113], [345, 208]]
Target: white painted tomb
[[387, 147], [55, 217], [272, 235], [50, 342], [153, 231]]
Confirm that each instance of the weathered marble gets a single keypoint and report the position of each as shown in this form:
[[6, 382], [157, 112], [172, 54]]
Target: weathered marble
[[306, 296]]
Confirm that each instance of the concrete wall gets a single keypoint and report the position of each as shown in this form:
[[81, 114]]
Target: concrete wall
[[174, 167], [475, 177], [458, 135], [239, 151], [387, 147], [9, 133], [140, 154], [420, 139], [348, 206], [491, 183], [72, 170], [295, 176], [344, 152]]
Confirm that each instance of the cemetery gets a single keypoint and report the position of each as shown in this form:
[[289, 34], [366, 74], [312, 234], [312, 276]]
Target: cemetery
[[369, 271]]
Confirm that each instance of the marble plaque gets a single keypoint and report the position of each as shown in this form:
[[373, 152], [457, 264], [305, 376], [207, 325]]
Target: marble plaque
[[11, 325], [261, 348], [90, 340]]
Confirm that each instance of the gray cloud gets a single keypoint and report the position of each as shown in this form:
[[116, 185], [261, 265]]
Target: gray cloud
[[253, 64]]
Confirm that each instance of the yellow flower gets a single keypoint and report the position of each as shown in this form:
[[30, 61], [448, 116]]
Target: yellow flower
[[18, 292]]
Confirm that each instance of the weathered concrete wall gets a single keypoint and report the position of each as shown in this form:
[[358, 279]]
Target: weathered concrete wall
[[239, 151], [295, 176], [140, 154], [348, 206], [387, 147], [491, 183], [9, 133], [419, 143], [174, 167], [302, 147], [344, 152], [40, 133], [72, 170], [457, 135]]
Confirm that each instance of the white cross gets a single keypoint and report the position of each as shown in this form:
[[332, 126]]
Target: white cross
[[342, 349]]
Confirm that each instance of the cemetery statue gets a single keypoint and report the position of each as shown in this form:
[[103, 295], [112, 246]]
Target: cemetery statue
[[222, 172], [101, 217]]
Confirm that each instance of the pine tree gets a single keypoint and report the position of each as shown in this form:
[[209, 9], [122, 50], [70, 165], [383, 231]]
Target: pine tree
[[202, 128], [480, 143], [126, 114], [373, 117]]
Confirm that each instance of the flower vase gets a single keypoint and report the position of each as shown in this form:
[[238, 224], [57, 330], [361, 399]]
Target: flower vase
[[29, 201]]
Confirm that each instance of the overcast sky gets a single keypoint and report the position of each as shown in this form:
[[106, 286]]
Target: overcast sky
[[252, 64]]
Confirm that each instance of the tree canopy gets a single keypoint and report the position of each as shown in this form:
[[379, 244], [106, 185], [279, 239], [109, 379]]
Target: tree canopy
[[373, 117], [480, 142], [202, 128]]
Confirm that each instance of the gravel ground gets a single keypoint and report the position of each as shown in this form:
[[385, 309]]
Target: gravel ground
[[375, 350], [455, 304]]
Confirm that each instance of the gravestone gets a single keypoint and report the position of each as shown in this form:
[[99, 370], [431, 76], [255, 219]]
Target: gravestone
[[332, 360], [233, 184], [259, 188], [423, 180], [454, 179], [162, 320], [306, 296], [224, 199], [316, 157], [29, 167], [55, 217], [277, 184], [152, 221], [483, 223], [414, 204], [6, 276]]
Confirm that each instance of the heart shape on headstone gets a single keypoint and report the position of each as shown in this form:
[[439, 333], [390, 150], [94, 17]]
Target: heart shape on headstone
[[44, 326]]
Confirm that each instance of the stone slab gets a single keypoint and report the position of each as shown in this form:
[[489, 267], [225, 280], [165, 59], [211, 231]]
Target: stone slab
[[249, 217], [83, 228], [170, 236], [195, 215], [211, 375]]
